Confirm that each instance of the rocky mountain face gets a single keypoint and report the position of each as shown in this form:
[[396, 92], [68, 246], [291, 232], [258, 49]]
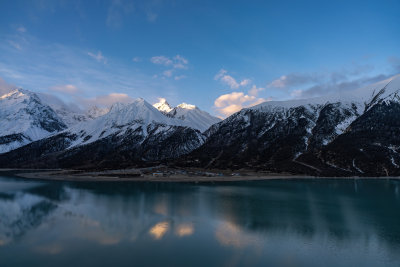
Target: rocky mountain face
[[70, 114], [25, 118], [345, 135], [189, 114], [129, 134], [351, 134]]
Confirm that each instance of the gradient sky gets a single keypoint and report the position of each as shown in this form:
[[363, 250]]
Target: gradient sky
[[218, 55]]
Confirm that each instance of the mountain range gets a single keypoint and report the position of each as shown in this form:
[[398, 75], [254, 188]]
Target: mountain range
[[356, 133]]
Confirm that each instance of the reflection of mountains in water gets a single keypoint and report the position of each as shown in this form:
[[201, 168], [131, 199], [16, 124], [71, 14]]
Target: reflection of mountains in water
[[342, 210]]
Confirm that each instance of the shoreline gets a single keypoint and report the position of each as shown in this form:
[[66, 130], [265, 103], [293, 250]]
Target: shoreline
[[132, 176]]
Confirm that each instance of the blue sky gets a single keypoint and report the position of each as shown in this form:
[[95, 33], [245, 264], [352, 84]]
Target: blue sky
[[218, 55]]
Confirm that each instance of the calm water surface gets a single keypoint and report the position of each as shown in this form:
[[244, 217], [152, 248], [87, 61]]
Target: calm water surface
[[270, 223]]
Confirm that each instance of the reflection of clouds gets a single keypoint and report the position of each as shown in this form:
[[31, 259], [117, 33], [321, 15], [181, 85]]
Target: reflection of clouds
[[52, 249], [159, 230], [228, 234], [161, 208], [100, 237], [91, 229], [184, 229]]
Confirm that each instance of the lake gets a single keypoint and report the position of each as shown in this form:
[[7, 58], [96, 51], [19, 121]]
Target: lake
[[265, 223]]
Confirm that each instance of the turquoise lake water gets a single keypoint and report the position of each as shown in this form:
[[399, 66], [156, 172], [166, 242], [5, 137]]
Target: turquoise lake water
[[269, 223]]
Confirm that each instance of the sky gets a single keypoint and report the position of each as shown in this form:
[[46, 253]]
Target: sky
[[218, 55]]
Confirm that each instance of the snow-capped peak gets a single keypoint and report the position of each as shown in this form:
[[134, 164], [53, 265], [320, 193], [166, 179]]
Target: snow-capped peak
[[386, 89], [25, 118], [163, 105], [188, 114], [186, 106], [18, 94]]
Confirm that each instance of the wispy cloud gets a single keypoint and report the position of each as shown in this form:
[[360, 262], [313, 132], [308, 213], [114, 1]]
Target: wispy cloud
[[223, 77], [254, 90], [99, 57], [44, 65], [15, 45], [303, 79], [338, 87], [21, 29], [106, 100], [116, 12], [161, 60], [175, 63], [5, 87], [67, 89], [168, 73], [305, 85], [395, 63], [136, 59], [179, 77], [152, 9], [294, 79]]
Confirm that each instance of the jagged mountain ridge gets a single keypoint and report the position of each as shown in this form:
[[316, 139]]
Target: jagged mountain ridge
[[137, 129], [28, 116], [25, 118], [315, 136], [355, 133], [127, 134], [190, 114]]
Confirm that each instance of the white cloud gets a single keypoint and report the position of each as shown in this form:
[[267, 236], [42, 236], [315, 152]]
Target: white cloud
[[136, 59], [180, 77], [229, 80], [220, 73], [116, 12], [107, 100], [67, 88], [245, 82], [230, 103], [278, 83], [255, 90], [223, 77], [99, 57], [177, 62], [296, 93], [161, 60], [15, 45], [168, 73], [21, 29], [180, 59]]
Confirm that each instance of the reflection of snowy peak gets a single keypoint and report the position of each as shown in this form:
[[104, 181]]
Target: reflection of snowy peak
[[24, 118], [190, 114]]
